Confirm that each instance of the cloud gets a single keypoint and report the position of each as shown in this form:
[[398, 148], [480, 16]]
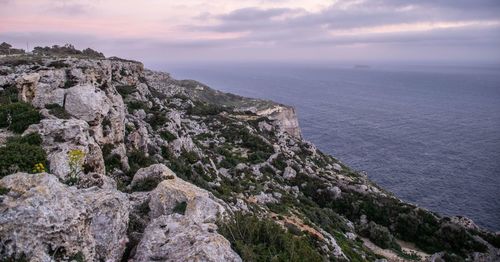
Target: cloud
[[70, 9], [253, 29]]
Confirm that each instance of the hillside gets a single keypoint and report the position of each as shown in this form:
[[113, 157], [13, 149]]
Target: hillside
[[103, 160]]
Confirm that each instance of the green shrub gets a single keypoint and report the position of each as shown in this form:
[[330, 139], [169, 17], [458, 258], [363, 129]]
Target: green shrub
[[126, 90], [258, 239], [180, 208], [136, 105], [167, 136], [138, 159], [380, 235], [8, 95], [21, 154], [204, 109], [18, 116], [58, 111]]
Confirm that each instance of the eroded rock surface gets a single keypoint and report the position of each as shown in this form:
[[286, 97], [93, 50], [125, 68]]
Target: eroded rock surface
[[41, 217]]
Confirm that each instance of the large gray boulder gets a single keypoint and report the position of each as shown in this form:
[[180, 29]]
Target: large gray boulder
[[151, 175], [201, 205], [174, 238], [87, 103], [40, 215]]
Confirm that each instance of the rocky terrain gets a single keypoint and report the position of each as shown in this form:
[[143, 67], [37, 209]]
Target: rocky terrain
[[103, 160]]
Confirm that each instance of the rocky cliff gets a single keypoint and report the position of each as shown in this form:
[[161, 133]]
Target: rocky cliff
[[103, 160]]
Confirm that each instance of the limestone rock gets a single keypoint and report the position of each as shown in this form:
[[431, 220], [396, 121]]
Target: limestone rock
[[201, 206], [86, 102], [41, 214], [289, 173], [152, 174], [173, 238], [26, 84], [60, 136]]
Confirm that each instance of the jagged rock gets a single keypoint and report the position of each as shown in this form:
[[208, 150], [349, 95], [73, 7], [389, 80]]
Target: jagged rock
[[60, 136], [174, 238], [285, 118], [26, 84], [201, 205], [337, 167], [289, 173], [87, 103], [41, 214], [264, 198], [335, 192], [153, 174], [465, 222]]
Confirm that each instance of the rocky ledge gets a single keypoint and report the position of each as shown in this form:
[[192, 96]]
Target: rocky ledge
[[103, 160]]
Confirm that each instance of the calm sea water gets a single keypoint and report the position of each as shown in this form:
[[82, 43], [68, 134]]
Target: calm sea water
[[430, 134]]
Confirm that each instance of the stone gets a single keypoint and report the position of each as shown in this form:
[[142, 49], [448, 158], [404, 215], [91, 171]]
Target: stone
[[60, 136], [26, 85], [153, 174], [173, 238], [87, 103], [91, 221], [289, 173], [201, 205]]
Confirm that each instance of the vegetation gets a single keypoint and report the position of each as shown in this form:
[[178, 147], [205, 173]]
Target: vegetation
[[258, 239], [180, 208], [20, 154], [18, 116], [76, 159], [67, 50], [6, 49], [205, 109], [126, 90], [58, 111], [111, 160], [167, 136]]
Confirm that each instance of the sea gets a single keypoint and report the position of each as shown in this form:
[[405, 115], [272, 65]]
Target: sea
[[430, 133]]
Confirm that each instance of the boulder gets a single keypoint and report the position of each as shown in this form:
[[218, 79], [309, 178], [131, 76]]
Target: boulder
[[40, 216], [151, 175], [201, 205], [174, 238], [87, 103], [289, 173], [26, 85], [60, 136]]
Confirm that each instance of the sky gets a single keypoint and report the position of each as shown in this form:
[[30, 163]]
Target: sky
[[257, 30]]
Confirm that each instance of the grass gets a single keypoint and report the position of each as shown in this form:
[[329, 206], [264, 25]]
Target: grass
[[18, 116], [256, 239]]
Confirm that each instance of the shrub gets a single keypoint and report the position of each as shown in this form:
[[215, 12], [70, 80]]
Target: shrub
[[136, 105], [380, 235], [167, 136], [58, 111], [126, 90], [204, 109], [18, 116], [21, 154], [8, 95], [258, 239], [180, 208]]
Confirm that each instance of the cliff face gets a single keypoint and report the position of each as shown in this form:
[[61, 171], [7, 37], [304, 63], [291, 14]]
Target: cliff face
[[172, 170]]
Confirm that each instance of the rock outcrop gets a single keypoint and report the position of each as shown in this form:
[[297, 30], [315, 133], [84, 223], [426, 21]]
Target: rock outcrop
[[42, 218], [173, 238]]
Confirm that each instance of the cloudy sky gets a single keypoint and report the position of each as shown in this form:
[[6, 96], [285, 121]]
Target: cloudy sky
[[261, 30]]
